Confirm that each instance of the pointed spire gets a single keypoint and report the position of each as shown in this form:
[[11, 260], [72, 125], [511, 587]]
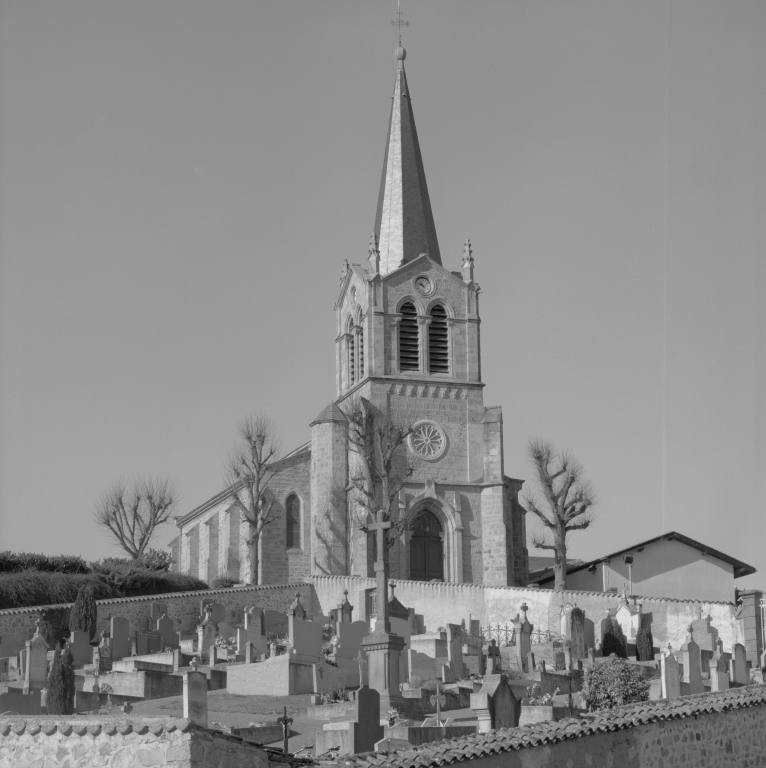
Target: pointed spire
[[404, 223]]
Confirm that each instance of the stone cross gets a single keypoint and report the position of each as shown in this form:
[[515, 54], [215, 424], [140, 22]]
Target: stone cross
[[438, 699], [285, 722], [382, 623], [524, 609]]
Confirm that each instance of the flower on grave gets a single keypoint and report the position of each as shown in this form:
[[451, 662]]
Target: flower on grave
[[392, 716], [536, 697]]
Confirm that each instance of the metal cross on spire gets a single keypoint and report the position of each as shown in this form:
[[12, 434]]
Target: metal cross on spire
[[399, 21]]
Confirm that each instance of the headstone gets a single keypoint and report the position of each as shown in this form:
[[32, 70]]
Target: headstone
[[206, 636], [358, 736], [254, 621], [296, 610], [157, 611], [741, 673], [671, 679], [275, 622], [455, 650], [195, 696], [591, 658], [227, 631], [719, 680], [104, 654], [691, 660], [250, 653], [529, 664], [567, 658], [493, 658], [147, 642], [217, 612], [305, 636], [350, 636], [706, 637], [573, 628], [36, 671], [119, 630], [168, 635], [345, 609], [79, 645], [495, 705]]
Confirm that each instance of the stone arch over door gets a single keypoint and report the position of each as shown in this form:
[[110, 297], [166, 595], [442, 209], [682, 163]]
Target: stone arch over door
[[452, 535]]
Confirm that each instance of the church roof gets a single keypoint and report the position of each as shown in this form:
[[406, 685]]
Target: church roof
[[404, 223], [331, 412]]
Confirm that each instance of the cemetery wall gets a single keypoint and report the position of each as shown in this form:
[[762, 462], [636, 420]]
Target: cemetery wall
[[76, 741], [17, 625], [439, 603]]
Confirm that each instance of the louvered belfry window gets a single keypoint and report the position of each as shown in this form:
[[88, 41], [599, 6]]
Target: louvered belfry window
[[351, 353], [409, 345], [438, 341], [360, 342], [293, 522]]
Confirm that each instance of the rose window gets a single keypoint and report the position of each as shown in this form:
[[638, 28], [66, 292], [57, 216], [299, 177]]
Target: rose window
[[428, 440]]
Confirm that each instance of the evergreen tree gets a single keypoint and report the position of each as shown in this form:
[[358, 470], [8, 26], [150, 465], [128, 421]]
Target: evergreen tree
[[61, 683], [644, 644], [83, 614], [614, 641]]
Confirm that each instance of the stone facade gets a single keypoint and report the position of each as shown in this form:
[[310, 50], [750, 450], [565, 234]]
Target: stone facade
[[408, 342]]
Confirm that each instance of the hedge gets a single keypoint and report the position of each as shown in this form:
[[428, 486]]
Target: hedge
[[29, 588], [15, 562]]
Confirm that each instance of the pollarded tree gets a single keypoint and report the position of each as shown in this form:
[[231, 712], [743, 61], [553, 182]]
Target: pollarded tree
[[250, 469], [83, 615], [568, 502], [380, 468], [132, 513]]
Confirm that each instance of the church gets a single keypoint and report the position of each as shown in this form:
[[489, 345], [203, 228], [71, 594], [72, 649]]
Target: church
[[408, 342]]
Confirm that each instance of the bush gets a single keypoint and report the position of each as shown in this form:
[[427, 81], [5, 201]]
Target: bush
[[224, 582], [151, 560], [612, 683], [15, 562], [84, 615], [614, 641], [644, 644], [61, 683], [20, 590]]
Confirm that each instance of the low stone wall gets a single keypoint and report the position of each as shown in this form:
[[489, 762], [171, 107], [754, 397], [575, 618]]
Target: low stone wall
[[17, 625], [705, 731], [439, 603], [79, 742]]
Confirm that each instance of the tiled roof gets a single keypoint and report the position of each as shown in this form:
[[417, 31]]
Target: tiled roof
[[512, 739], [540, 563], [93, 726]]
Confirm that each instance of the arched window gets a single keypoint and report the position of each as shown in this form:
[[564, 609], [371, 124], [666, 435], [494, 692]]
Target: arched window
[[438, 341], [351, 352], [409, 347], [426, 548], [293, 522]]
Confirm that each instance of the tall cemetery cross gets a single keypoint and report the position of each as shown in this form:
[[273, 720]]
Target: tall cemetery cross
[[285, 722], [382, 624]]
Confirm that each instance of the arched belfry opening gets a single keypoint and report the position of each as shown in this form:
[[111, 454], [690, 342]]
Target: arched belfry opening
[[427, 548]]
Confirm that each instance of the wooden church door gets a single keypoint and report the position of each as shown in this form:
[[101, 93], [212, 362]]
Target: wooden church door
[[426, 549]]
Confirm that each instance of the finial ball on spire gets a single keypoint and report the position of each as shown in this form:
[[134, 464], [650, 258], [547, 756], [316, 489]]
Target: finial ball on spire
[[400, 54]]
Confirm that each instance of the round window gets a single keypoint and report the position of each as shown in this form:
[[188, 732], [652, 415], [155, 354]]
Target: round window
[[427, 440]]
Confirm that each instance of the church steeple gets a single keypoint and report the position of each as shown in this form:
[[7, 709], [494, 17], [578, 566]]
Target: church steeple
[[404, 223]]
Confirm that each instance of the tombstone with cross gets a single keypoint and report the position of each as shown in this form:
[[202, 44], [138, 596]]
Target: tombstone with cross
[[523, 631]]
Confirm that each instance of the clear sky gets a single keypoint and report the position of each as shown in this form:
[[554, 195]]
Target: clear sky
[[180, 182]]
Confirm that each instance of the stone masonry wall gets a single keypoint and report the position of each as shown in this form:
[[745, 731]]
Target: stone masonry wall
[[17, 625], [439, 603], [75, 742]]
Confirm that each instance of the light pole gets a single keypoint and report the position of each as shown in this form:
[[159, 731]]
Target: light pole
[[628, 558]]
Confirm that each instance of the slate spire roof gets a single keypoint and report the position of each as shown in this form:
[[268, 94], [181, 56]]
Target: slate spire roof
[[404, 223]]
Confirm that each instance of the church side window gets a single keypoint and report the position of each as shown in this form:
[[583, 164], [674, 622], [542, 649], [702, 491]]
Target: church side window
[[438, 341], [409, 345], [293, 522], [351, 353], [360, 347]]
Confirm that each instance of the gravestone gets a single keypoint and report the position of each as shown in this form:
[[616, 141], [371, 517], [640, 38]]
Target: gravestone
[[147, 642], [455, 650], [719, 679], [523, 631], [36, 670], [254, 621], [157, 611], [119, 630], [740, 671], [275, 622], [296, 609], [305, 636], [690, 654], [345, 610], [195, 695], [207, 632], [227, 631], [671, 678], [79, 645], [591, 658], [104, 654], [250, 653], [350, 636], [706, 637], [493, 658], [168, 635], [357, 736], [495, 705], [573, 628], [529, 663]]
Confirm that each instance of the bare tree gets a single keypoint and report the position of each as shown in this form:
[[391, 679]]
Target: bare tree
[[380, 468], [569, 500], [250, 469], [132, 513]]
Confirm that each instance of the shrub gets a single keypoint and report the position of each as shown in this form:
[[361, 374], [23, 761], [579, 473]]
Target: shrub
[[224, 582], [614, 641], [14, 562], [18, 590], [151, 560], [644, 644], [613, 682], [130, 580], [61, 683], [84, 615]]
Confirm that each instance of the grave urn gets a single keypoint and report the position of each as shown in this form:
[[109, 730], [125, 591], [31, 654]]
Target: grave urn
[[540, 713]]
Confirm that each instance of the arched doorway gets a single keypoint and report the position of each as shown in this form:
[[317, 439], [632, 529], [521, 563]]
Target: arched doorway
[[426, 548]]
